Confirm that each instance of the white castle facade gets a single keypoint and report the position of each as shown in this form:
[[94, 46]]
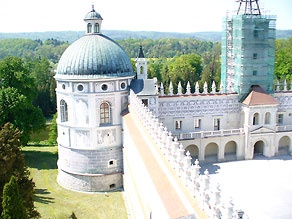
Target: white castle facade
[[246, 116]]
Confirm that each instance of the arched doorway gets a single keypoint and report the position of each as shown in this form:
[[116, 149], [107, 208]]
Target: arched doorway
[[284, 145], [194, 151], [211, 152], [258, 148], [230, 150]]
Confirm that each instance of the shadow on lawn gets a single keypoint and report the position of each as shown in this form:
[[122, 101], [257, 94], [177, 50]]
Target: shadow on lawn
[[41, 160], [41, 196]]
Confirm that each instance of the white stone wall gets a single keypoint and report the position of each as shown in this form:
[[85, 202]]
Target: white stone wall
[[207, 108], [90, 153]]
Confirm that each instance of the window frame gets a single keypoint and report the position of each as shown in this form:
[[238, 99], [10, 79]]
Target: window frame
[[63, 111], [280, 119], [105, 113]]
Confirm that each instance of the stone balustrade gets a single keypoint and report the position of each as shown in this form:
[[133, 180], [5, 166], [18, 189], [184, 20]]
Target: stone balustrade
[[284, 128], [279, 87], [205, 134], [200, 186]]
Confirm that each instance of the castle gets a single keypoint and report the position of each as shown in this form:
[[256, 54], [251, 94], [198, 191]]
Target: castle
[[97, 149]]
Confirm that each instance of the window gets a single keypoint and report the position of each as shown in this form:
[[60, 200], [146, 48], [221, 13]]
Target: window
[[80, 87], [280, 118], [197, 123], [112, 163], [255, 56], [104, 87], [96, 28], [255, 33], [123, 85], [145, 102], [63, 111], [268, 118], [216, 124], [104, 113], [89, 28], [112, 186], [141, 70], [178, 124], [255, 120], [254, 72]]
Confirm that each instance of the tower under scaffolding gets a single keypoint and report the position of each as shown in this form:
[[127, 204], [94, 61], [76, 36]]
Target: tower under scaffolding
[[248, 49]]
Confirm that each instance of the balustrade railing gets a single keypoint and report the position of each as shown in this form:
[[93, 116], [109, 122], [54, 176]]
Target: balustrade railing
[[207, 134], [200, 187], [284, 128]]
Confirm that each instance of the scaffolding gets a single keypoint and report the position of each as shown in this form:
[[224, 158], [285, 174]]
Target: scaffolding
[[248, 52]]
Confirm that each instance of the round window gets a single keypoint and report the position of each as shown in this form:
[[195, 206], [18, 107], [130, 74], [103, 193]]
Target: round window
[[123, 85], [104, 87], [80, 87]]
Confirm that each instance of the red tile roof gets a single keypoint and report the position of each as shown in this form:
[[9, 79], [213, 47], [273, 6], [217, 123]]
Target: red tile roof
[[258, 96]]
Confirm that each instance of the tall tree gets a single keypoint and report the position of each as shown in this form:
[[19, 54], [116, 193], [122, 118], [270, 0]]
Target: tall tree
[[12, 201], [12, 164], [17, 94], [42, 72], [185, 68], [283, 64], [53, 134]]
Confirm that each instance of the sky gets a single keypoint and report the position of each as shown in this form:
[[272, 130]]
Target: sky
[[142, 15]]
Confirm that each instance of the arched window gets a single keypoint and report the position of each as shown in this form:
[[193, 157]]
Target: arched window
[[63, 111], [89, 28], [96, 28], [268, 118], [255, 119], [105, 113]]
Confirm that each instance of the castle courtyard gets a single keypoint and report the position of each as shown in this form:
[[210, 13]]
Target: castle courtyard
[[260, 187]]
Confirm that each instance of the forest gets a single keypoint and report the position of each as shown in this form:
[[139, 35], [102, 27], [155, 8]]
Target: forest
[[27, 94], [169, 59]]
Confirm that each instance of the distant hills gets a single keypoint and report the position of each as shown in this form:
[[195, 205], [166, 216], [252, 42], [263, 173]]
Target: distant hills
[[71, 36]]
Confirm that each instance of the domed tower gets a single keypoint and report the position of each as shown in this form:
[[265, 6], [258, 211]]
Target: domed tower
[[92, 78]]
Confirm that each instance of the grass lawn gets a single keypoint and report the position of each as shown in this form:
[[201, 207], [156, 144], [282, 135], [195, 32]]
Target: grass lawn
[[53, 201]]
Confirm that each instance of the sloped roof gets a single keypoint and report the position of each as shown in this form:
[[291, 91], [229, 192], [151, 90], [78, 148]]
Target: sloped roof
[[258, 96], [143, 87]]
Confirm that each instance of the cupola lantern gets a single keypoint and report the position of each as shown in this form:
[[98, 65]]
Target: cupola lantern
[[93, 22]]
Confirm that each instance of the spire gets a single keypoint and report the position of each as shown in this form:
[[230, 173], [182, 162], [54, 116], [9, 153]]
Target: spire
[[141, 54], [248, 7]]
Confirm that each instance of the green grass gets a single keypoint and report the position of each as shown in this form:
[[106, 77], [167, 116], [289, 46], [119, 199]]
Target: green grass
[[53, 201], [40, 137]]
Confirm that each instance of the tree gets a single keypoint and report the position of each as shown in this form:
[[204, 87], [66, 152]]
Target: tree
[[185, 68], [212, 67], [53, 134], [12, 164], [17, 95], [283, 64], [12, 201], [41, 71]]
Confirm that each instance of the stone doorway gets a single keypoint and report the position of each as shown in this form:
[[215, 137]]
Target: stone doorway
[[258, 148], [284, 146]]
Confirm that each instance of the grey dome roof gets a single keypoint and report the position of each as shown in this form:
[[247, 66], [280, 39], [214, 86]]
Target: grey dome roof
[[93, 15], [96, 55]]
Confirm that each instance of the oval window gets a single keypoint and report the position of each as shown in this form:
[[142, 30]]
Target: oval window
[[123, 85], [104, 87], [80, 87]]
